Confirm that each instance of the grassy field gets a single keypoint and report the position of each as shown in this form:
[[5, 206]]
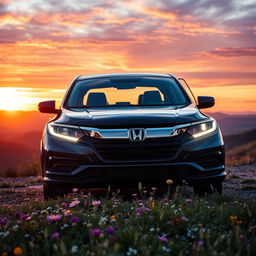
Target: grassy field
[[144, 225]]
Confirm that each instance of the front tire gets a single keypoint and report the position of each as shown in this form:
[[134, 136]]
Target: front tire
[[49, 193], [209, 188]]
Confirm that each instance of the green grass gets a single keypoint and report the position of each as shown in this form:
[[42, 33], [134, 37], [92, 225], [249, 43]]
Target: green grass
[[214, 225]]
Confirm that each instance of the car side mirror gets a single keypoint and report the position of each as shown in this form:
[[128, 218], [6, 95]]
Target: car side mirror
[[205, 101], [48, 107]]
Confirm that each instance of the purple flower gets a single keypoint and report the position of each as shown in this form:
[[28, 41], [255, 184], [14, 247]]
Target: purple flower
[[142, 209], [4, 221], [110, 230], [75, 190], [18, 214], [55, 235], [95, 232], [134, 195], [74, 219], [184, 218], [53, 218], [163, 239], [200, 243]]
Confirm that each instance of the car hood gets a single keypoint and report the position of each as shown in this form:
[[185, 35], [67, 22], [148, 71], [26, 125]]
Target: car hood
[[131, 117]]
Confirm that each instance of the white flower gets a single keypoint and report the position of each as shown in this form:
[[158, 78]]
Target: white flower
[[74, 249], [15, 227]]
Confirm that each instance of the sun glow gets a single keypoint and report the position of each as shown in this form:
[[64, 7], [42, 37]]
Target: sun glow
[[12, 99]]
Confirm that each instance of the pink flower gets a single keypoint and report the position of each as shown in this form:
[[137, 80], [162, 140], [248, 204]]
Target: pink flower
[[163, 239], [184, 218], [53, 218], [96, 203], [74, 203], [55, 235], [188, 200], [95, 232], [134, 195], [64, 204], [75, 190]]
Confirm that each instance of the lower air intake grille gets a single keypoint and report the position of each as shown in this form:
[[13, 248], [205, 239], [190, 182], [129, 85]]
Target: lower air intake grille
[[151, 149]]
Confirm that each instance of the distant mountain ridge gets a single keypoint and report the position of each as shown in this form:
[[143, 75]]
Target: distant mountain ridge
[[236, 140]]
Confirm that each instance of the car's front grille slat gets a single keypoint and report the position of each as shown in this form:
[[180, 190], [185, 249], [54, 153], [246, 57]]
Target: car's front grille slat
[[145, 150]]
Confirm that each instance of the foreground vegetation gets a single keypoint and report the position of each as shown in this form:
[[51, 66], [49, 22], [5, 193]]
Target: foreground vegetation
[[144, 225]]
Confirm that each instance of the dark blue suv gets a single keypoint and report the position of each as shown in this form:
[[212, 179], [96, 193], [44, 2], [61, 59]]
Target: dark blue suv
[[120, 129]]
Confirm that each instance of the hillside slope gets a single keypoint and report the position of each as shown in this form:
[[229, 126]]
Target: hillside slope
[[236, 140]]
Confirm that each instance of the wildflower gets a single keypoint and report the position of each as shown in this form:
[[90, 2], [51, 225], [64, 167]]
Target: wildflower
[[74, 203], [74, 219], [112, 217], [184, 218], [110, 230], [17, 214], [55, 235], [142, 209], [188, 200], [67, 213], [169, 182], [64, 226], [53, 218], [134, 195], [17, 251], [15, 227], [96, 203], [154, 189], [64, 204], [163, 239], [75, 190], [132, 251], [233, 218], [95, 232], [166, 249], [200, 243], [74, 249], [4, 221], [24, 216]]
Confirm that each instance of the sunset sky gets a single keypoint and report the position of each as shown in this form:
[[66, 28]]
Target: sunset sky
[[44, 44]]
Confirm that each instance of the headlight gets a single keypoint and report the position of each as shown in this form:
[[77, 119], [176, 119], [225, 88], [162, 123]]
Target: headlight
[[65, 132], [201, 129]]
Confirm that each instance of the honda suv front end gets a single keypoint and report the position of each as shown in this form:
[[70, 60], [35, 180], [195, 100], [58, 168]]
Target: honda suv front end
[[121, 129]]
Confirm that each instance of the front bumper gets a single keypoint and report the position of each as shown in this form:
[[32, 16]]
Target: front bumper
[[71, 164]]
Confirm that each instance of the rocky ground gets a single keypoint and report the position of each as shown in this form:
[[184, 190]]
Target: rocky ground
[[240, 182]]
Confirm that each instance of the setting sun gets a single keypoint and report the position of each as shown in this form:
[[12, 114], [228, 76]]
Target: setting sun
[[12, 99]]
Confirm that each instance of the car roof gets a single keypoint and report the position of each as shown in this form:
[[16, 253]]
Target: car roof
[[123, 75]]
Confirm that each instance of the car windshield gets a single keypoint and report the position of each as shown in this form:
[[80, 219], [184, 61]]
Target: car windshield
[[114, 92]]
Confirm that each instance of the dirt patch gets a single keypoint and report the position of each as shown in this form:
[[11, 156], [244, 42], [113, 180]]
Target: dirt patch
[[240, 182]]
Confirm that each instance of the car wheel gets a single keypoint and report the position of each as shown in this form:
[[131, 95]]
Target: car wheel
[[49, 193], [210, 188]]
